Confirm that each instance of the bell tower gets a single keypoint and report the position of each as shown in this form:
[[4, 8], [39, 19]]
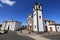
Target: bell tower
[[37, 6], [37, 18]]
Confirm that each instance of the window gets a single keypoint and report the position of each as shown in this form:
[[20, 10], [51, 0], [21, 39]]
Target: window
[[35, 26], [49, 21], [45, 22], [39, 16]]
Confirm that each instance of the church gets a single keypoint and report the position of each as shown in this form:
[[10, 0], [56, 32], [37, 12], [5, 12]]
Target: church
[[37, 23]]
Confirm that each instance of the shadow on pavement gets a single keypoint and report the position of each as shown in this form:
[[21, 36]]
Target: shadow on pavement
[[11, 35]]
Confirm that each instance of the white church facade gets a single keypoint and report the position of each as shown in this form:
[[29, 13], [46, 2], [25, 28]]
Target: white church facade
[[11, 25], [37, 23]]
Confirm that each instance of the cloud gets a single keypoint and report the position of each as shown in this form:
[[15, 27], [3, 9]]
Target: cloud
[[1, 5], [8, 2]]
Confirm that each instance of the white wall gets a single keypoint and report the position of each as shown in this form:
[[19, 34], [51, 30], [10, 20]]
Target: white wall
[[13, 26], [34, 21], [17, 25], [58, 28], [40, 21], [3, 25]]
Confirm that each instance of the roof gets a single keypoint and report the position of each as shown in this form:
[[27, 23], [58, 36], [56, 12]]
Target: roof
[[11, 21], [29, 14], [54, 24], [48, 20], [37, 3]]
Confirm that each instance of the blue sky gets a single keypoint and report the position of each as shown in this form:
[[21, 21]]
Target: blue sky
[[19, 10]]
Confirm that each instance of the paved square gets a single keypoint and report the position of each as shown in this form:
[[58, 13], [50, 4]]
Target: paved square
[[17, 35], [14, 36], [52, 36]]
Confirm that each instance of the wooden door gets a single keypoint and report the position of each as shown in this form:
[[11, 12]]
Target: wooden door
[[46, 29], [50, 29]]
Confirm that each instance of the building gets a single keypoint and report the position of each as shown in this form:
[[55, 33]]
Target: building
[[11, 25], [38, 23], [49, 25]]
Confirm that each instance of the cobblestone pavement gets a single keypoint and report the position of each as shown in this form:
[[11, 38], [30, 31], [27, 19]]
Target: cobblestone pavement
[[14, 36], [17, 35], [52, 36], [32, 35], [23, 35]]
